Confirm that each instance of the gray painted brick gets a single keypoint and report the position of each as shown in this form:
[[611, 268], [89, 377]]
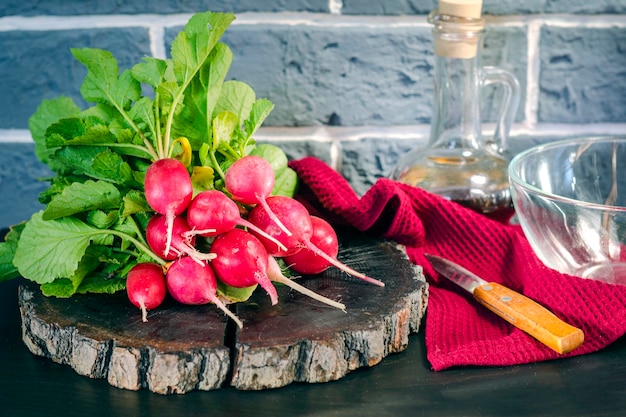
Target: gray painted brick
[[506, 48], [37, 65], [582, 75], [490, 7], [389, 7], [352, 76], [366, 160], [299, 149], [336, 75], [403, 7], [20, 185], [585, 6], [365, 7], [78, 7]]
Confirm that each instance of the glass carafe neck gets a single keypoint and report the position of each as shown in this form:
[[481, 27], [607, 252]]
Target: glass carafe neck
[[456, 108]]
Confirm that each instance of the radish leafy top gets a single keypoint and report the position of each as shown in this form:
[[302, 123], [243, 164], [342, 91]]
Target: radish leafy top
[[92, 230]]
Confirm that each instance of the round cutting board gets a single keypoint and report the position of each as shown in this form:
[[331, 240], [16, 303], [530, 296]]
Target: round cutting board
[[183, 348]]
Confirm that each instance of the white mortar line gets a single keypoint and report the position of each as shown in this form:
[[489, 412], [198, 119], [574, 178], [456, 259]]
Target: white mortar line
[[333, 19], [563, 20], [335, 6], [39, 23], [532, 74], [330, 20], [331, 134], [157, 42], [564, 129], [15, 136], [595, 21]]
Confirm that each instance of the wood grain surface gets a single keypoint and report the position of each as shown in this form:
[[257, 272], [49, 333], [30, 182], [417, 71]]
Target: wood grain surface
[[187, 348]]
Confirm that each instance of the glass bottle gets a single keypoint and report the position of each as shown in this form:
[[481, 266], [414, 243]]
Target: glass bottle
[[458, 163]]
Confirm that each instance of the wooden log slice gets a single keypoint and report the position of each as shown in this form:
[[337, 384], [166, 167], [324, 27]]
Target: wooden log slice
[[184, 348], [303, 340], [179, 349]]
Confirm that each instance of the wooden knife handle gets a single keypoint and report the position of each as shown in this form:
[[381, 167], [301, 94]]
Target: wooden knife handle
[[529, 316]]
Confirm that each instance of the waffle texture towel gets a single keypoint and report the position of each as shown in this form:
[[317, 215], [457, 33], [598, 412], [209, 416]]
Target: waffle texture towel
[[459, 331]]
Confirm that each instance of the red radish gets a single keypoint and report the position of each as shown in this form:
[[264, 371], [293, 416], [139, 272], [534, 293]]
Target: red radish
[[298, 219], [189, 282], [241, 261], [250, 180], [212, 213], [275, 274], [181, 244], [146, 287], [168, 190], [309, 262]]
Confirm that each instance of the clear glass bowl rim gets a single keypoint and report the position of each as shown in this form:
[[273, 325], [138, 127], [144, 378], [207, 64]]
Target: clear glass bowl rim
[[563, 143]]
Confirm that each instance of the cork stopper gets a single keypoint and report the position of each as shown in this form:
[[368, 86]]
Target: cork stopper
[[461, 8], [456, 42]]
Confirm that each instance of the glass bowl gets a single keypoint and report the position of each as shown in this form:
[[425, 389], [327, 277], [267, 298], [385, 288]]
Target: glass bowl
[[570, 199]]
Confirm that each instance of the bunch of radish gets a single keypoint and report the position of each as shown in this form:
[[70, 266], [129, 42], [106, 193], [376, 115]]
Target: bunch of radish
[[209, 229], [238, 252]]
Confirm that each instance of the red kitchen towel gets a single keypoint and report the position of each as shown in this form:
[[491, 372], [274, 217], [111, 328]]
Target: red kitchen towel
[[458, 330]]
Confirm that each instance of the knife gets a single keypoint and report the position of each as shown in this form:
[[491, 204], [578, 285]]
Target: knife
[[520, 311]]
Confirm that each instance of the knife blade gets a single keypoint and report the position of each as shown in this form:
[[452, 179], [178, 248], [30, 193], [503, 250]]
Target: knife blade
[[517, 309]]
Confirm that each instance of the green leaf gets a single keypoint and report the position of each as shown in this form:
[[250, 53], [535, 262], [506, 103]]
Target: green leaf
[[79, 198], [151, 71], [192, 46], [101, 284], [7, 269], [66, 287], [60, 287], [129, 228], [167, 92], [102, 219], [51, 249], [94, 135], [64, 130], [286, 183], [272, 154], [142, 114], [76, 132], [103, 83], [194, 119], [7, 253], [57, 185], [135, 202], [220, 60], [96, 162], [110, 166], [234, 295], [238, 98], [96, 274], [260, 110], [106, 113], [224, 124], [190, 50], [48, 113], [110, 274]]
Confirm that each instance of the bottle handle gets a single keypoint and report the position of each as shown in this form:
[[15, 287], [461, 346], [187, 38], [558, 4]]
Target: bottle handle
[[510, 103]]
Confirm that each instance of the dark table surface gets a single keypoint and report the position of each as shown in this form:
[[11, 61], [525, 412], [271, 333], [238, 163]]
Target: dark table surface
[[402, 384]]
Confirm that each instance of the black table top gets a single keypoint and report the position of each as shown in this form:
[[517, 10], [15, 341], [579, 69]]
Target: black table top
[[402, 384]]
